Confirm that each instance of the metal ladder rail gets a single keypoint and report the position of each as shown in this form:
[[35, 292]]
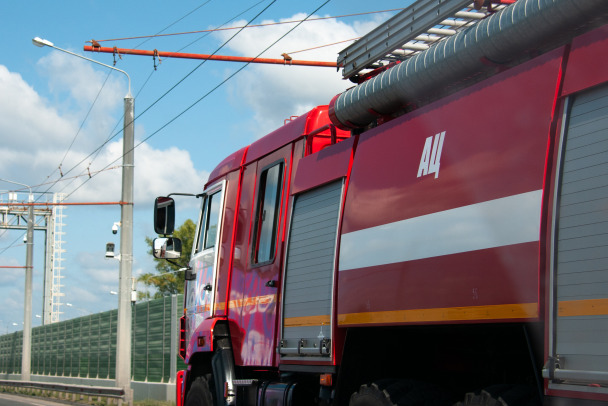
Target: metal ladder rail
[[424, 41], [412, 30]]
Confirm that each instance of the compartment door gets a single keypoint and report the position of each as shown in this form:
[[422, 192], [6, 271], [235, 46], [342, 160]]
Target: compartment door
[[309, 274], [579, 345]]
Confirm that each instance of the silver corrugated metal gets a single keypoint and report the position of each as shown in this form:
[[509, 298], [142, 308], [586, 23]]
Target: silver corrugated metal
[[524, 26]]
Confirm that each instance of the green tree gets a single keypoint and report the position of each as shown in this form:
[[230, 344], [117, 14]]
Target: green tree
[[166, 280]]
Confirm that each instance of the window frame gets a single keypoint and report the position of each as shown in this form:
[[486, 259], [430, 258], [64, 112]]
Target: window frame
[[259, 205], [201, 226]]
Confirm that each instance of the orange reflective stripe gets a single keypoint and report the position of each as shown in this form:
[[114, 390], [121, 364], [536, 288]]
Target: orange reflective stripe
[[589, 307], [506, 311], [249, 301], [307, 321]]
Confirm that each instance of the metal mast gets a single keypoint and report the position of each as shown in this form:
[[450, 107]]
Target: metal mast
[[57, 258]]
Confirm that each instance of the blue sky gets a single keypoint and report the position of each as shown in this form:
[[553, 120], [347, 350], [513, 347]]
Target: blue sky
[[45, 96]]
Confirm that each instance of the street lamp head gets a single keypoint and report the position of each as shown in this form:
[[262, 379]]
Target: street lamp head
[[39, 42]]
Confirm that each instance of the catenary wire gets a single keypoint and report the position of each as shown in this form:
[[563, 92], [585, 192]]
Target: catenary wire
[[323, 46], [250, 26], [216, 87], [79, 129], [96, 152], [171, 89], [173, 23]]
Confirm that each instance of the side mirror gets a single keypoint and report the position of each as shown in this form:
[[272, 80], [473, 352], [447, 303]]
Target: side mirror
[[164, 215], [167, 248]]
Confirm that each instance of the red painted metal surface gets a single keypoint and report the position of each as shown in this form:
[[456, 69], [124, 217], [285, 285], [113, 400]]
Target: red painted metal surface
[[226, 244], [506, 275], [587, 61], [258, 310], [225, 58], [484, 156], [199, 336], [179, 388], [480, 161], [238, 287], [323, 167], [182, 337], [229, 164]]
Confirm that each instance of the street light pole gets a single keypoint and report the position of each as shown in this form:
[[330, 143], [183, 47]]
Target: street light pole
[[123, 345], [26, 359], [123, 339]]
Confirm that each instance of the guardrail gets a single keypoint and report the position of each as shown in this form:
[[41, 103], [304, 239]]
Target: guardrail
[[77, 391]]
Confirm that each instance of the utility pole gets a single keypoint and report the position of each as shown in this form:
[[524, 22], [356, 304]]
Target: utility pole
[[123, 345], [26, 359], [123, 339]]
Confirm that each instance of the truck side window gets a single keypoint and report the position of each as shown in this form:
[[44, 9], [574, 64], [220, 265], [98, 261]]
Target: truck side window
[[210, 218], [267, 214]]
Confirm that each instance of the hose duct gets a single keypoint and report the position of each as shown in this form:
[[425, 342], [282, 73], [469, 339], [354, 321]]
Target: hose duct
[[524, 26]]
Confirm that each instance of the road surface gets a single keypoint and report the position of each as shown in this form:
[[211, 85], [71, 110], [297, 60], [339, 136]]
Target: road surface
[[14, 400]]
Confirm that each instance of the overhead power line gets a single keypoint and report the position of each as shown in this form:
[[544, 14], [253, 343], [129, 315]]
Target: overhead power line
[[323, 46], [168, 91], [96, 152], [221, 83], [248, 26], [173, 23]]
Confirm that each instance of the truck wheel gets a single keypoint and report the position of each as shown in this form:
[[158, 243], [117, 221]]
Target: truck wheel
[[371, 395], [200, 392], [502, 395], [399, 393]]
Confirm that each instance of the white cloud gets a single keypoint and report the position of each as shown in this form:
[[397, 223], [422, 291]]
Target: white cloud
[[26, 119], [37, 132], [276, 92], [156, 173], [11, 276]]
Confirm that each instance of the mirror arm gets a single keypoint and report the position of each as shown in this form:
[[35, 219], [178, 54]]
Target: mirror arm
[[175, 263], [188, 275], [182, 194]]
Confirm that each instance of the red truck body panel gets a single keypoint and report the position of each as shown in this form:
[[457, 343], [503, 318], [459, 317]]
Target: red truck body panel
[[494, 283]]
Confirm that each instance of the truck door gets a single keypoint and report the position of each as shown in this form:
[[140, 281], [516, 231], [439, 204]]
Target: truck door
[[200, 297], [255, 288]]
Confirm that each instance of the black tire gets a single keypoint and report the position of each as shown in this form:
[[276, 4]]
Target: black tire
[[200, 393], [399, 393], [371, 395], [502, 395]]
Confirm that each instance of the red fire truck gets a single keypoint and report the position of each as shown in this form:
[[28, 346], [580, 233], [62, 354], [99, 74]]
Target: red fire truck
[[437, 235]]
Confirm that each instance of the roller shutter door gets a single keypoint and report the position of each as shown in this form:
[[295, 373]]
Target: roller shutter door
[[309, 273], [581, 260]]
